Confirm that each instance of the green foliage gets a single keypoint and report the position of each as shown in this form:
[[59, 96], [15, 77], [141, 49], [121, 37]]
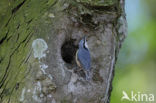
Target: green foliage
[[135, 69]]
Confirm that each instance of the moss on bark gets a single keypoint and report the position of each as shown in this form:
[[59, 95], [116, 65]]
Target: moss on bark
[[18, 19]]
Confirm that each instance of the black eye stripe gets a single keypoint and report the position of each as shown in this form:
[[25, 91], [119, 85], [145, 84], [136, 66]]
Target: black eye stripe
[[85, 47], [84, 43]]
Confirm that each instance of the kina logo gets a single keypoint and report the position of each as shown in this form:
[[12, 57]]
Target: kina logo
[[137, 97]]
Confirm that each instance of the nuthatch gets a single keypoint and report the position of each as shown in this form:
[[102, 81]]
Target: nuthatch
[[83, 58]]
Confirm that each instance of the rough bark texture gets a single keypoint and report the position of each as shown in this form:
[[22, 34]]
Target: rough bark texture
[[38, 42]]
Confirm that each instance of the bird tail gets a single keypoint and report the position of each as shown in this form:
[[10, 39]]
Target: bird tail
[[88, 75]]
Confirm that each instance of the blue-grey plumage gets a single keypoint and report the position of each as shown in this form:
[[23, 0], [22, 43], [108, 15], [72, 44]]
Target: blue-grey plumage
[[83, 57]]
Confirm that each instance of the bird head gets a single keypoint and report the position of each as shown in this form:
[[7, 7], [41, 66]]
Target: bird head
[[83, 43]]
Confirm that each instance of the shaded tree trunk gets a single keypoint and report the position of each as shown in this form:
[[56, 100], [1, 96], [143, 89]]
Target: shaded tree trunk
[[38, 42]]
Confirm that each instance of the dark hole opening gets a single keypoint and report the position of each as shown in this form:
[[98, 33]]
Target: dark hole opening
[[68, 51], [87, 18]]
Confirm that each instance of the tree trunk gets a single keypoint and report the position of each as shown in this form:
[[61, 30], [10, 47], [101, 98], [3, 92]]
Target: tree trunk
[[38, 42]]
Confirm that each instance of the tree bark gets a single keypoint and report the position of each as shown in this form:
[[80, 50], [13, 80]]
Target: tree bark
[[38, 43]]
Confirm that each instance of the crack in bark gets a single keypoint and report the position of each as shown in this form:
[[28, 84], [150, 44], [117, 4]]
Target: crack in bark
[[25, 38], [28, 22], [5, 74], [1, 94], [3, 39], [16, 83], [14, 10], [28, 57], [8, 21], [11, 93], [23, 61], [9, 38], [6, 71], [15, 80], [18, 26], [1, 59], [28, 40], [17, 37]]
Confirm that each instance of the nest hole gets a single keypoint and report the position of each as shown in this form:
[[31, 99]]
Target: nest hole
[[87, 18], [68, 51]]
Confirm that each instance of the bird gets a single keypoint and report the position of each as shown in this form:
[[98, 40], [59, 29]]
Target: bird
[[83, 58]]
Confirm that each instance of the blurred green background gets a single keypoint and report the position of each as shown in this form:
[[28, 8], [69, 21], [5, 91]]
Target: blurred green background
[[136, 65]]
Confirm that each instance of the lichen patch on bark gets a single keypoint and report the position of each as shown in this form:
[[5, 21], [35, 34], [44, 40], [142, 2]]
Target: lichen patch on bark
[[39, 47]]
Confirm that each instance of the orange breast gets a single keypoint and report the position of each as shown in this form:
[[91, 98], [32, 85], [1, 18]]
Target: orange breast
[[77, 61]]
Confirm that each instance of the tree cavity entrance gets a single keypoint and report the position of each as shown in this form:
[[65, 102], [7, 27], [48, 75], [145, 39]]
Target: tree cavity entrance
[[68, 51]]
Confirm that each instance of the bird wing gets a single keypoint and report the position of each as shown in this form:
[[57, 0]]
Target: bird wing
[[84, 58]]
